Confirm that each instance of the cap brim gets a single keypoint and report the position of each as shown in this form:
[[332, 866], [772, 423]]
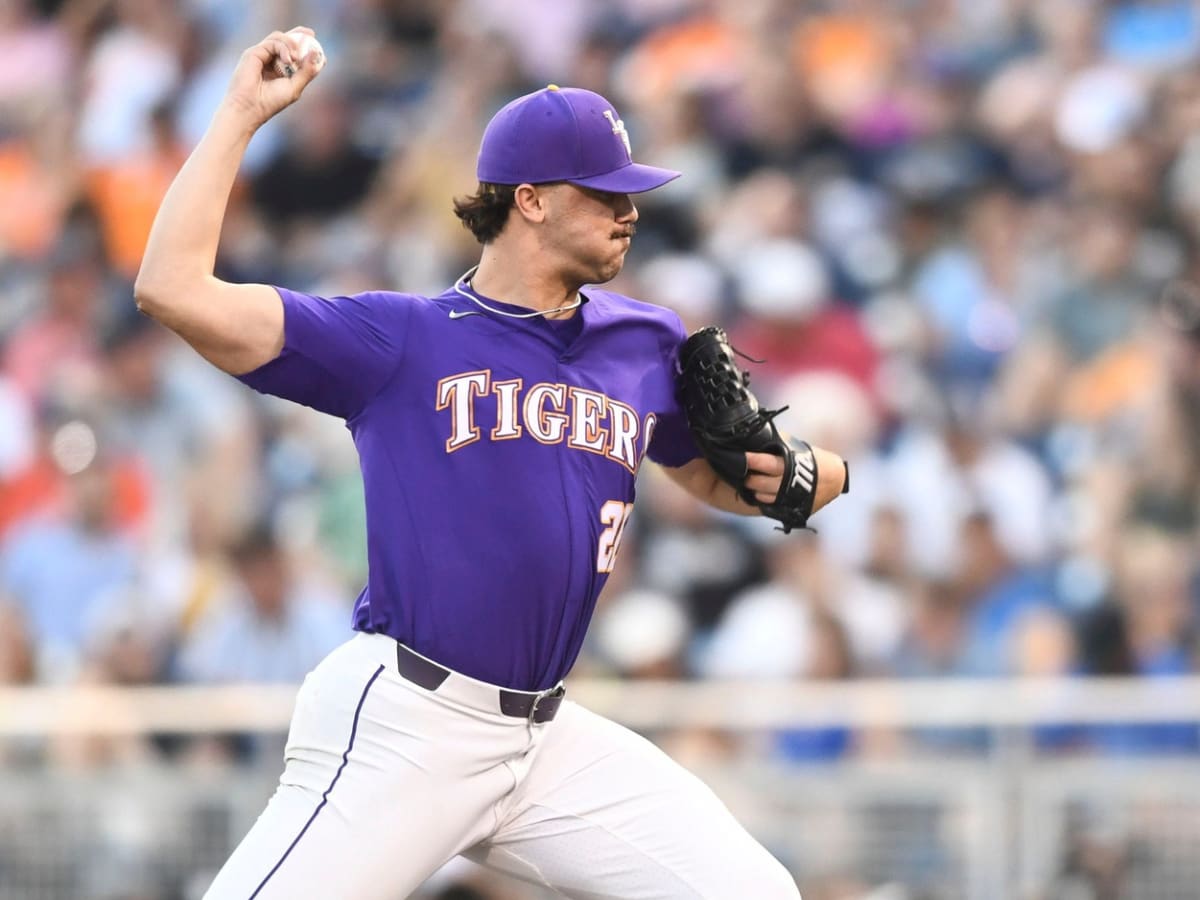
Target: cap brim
[[634, 178]]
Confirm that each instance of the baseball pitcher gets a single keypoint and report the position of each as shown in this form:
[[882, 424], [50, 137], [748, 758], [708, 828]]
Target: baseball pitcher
[[500, 426]]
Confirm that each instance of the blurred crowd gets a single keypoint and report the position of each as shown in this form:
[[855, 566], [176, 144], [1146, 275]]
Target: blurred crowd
[[964, 235]]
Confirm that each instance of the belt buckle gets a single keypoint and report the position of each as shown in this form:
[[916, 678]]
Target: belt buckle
[[552, 693]]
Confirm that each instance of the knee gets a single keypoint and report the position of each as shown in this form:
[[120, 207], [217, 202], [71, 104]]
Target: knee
[[778, 883], [766, 881]]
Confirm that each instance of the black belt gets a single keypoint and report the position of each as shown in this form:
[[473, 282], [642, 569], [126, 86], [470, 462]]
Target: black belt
[[537, 708]]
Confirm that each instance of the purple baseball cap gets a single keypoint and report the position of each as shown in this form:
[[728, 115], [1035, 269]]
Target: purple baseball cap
[[563, 134]]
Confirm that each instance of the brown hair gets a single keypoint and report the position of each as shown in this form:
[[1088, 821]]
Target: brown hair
[[485, 212]]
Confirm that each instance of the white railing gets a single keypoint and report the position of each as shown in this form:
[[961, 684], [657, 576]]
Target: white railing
[[986, 827], [731, 706]]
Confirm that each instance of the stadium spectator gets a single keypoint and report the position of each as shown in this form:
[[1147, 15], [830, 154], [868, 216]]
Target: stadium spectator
[[962, 235], [276, 630], [61, 572], [998, 596], [946, 227], [59, 341], [16, 648]]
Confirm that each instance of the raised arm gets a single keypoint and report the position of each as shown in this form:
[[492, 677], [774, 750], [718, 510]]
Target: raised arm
[[237, 327]]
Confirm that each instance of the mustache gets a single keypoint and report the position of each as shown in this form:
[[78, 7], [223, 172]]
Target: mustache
[[625, 232]]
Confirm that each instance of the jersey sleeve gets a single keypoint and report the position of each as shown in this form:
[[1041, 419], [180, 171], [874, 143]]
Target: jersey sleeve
[[671, 445], [338, 352]]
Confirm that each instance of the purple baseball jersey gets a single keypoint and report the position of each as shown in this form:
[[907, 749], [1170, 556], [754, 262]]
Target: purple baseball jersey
[[498, 459]]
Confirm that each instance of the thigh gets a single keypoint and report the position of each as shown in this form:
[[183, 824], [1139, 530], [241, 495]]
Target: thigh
[[371, 800], [604, 813]]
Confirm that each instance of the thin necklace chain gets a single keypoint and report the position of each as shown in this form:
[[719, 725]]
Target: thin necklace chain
[[465, 280]]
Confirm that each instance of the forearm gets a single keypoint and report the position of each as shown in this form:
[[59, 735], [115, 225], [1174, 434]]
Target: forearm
[[720, 495], [831, 476], [182, 248], [236, 327], [700, 480]]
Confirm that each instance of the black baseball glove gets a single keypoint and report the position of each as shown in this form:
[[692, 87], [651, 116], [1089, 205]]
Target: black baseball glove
[[727, 422]]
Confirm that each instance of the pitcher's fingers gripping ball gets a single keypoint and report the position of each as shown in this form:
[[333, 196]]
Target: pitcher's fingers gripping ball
[[301, 43], [729, 426]]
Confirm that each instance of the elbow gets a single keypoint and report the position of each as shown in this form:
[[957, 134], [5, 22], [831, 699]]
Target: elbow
[[144, 293], [144, 301], [150, 294]]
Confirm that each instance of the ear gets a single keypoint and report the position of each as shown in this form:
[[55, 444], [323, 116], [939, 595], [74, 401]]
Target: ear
[[530, 202]]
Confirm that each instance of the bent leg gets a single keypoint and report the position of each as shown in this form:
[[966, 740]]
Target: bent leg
[[603, 813], [371, 800]]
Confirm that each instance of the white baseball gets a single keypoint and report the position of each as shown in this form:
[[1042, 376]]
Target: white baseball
[[302, 45]]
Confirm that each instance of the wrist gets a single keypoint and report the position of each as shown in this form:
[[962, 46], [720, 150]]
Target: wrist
[[233, 120]]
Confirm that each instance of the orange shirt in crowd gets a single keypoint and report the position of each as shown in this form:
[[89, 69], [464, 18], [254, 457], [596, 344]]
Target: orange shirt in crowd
[[845, 60], [688, 54], [126, 196], [32, 211], [41, 490]]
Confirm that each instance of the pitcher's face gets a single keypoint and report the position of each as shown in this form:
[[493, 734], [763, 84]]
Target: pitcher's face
[[588, 232]]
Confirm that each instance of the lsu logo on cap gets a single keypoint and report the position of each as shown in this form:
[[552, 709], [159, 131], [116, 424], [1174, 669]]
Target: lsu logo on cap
[[618, 128]]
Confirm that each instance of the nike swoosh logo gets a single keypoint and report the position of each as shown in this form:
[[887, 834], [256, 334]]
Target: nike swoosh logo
[[463, 313]]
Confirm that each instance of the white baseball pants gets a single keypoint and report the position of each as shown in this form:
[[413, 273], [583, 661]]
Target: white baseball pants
[[385, 781]]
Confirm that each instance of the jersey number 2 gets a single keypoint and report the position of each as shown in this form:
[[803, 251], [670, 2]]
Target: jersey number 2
[[614, 514]]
